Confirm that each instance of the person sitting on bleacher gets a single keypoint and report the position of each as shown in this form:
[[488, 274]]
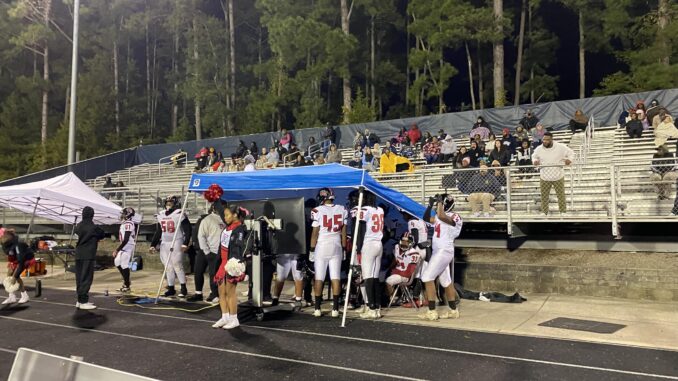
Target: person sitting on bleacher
[[521, 134], [509, 141], [663, 172], [261, 161], [524, 156], [461, 178], [653, 111], [482, 188], [333, 156], [538, 135], [529, 121], [500, 153], [448, 149], [178, 158], [498, 173], [579, 121], [480, 128], [371, 138], [634, 127], [414, 134], [432, 151], [665, 130], [368, 160], [463, 154], [272, 158], [476, 154], [201, 159], [441, 135]]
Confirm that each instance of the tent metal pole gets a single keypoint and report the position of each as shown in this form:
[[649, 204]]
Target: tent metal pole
[[354, 249], [75, 222], [169, 259], [30, 224]]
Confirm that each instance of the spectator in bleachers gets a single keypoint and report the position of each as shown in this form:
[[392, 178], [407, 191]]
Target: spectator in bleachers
[[357, 161], [414, 134], [480, 128], [119, 184], [371, 138], [499, 173], [358, 141], [579, 122], [392, 163], [272, 158], [538, 135], [249, 163], [509, 141], [368, 159], [476, 154], [333, 156], [521, 134], [643, 119], [108, 185], [624, 117], [461, 178], [402, 134], [329, 137], [201, 159], [463, 154], [319, 159], [233, 166], [310, 147], [448, 148], [254, 150], [482, 189], [432, 150], [406, 150], [524, 156], [262, 160], [241, 151], [293, 149], [500, 153], [653, 111], [634, 127], [550, 157], [529, 121], [286, 138], [178, 158], [489, 146], [665, 130], [441, 135], [298, 160], [664, 173], [427, 137]]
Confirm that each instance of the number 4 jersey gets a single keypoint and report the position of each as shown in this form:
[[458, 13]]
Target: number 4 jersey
[[330, 219], [169, 223], [444, 234], [374, 218]]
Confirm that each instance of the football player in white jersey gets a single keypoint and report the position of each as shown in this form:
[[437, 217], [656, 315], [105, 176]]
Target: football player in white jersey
[[328, 245], [168, 223], [447, 226], [370, 234], [407, 256], [127, 235], [418, 232]]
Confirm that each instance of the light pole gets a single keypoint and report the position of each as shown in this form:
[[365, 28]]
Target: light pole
[[74, 83]]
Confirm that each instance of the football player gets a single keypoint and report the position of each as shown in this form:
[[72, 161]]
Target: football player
[[127, 235], [370, 234], [447, 226], [287, 263], [168, 223], [328, 246], [407, 256], [418, 231]]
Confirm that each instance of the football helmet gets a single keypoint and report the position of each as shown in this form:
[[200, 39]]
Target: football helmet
[[324, 194], [406, 241], [448, 202], [171, 203], [126, 214]]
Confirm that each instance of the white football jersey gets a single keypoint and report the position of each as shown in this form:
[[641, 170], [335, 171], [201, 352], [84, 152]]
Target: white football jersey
[[421, 227], [330, 219], [170, 224], [128, 226], [374, 218], [404, 259], [444, 234]]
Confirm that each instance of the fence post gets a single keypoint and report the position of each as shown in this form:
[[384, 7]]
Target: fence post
[[571, 189], [613, 200], [423, 187], [139, 199], [509, 210], [124, 199]]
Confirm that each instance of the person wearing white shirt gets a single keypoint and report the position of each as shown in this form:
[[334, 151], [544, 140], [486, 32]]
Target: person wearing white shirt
[[448, 148], [550, 157]]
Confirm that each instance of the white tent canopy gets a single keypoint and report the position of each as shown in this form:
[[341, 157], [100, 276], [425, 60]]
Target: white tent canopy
[[61, 199]]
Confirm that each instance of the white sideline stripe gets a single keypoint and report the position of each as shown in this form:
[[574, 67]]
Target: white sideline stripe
[[478, 354], [216, 349]]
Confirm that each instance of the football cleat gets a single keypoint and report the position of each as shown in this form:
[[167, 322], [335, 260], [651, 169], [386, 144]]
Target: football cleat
[[431, 315]]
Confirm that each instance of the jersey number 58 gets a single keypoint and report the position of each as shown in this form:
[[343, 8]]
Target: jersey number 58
[[167, 226]]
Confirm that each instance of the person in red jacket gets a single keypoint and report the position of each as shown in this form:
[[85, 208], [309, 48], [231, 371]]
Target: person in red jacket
[[414, 134]]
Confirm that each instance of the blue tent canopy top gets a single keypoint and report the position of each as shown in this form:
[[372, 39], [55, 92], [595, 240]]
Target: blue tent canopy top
[[290, 182]]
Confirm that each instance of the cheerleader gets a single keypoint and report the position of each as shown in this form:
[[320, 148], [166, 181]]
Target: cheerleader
[[20, 257], [232, 250]]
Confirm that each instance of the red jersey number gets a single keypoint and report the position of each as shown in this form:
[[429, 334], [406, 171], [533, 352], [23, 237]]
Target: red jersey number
[[167, 226], [377, 222], [333, 224], [437, 230]]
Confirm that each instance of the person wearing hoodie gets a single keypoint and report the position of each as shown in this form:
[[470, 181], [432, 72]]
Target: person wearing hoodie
[[653, 110], [20, 256], [579, 121], [529, 121], [89, 236], [480, 128]]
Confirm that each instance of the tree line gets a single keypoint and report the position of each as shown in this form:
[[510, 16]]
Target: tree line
[[155, 71]]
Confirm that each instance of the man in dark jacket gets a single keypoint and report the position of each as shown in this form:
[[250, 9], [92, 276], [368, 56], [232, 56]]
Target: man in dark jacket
[[529, 121], [483, 188], [509, 141], [89, 236]]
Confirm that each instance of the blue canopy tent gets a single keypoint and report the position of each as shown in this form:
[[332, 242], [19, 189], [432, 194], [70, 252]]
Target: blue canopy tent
[[293, 182]]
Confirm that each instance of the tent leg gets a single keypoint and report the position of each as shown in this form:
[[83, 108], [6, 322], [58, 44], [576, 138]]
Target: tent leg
[[354, 249], [75, 222], [30, 224], [169, 259]]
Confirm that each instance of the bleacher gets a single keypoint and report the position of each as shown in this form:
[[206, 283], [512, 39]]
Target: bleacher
[[610, 158]]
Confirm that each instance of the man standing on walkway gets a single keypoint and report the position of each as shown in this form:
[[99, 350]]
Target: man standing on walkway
[[550, 157], [89, 236]]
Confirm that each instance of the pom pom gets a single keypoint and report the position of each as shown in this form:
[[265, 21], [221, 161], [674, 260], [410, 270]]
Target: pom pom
[[234, 267], [213, 193], [11, 285]]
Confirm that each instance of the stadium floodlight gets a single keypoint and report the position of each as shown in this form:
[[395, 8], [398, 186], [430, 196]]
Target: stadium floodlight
[[74, 83]]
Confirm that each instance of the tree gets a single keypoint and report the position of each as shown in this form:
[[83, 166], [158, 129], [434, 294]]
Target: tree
[[498, 54]]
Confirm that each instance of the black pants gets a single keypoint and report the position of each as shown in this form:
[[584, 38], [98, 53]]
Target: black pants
[[675, 205], [209, 262], [192, 253], [84, 275], [574, 126]]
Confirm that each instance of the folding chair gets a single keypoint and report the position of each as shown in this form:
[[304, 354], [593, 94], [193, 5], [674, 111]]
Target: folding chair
[[404, 288]]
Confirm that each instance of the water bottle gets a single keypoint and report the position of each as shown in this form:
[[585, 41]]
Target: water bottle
[[134, 265]]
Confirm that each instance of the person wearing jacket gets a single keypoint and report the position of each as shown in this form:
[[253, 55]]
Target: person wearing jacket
[[480, 128], [89, 236], [482, 188], [509, 141], [663, 172], [500, 153], [414, 134], [233, 246], [529, 121], [634, 127], [20, 256]]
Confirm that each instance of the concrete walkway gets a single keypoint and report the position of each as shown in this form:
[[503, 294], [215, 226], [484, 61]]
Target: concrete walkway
[[647, 323]]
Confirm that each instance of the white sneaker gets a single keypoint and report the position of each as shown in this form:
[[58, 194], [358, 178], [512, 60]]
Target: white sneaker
[[369, 314], [362, 309], [220, 323], [232, 323], [449, 313], [335, 313], [24, 298], [85, 306], [317, 313], [476, 214], [487, 215], [429, 315], [215, 300], [10, 299], [379, 313]]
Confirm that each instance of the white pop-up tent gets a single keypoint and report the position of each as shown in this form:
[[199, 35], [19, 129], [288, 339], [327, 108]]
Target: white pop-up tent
[[61, 199]]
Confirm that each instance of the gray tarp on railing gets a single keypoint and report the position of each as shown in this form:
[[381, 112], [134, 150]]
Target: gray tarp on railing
[[555, 115]]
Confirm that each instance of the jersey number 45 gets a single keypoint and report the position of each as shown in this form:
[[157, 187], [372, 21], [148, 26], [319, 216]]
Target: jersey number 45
[[333, 224]]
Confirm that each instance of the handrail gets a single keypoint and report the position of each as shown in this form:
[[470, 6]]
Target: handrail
[[303, 153], [170, 157]]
